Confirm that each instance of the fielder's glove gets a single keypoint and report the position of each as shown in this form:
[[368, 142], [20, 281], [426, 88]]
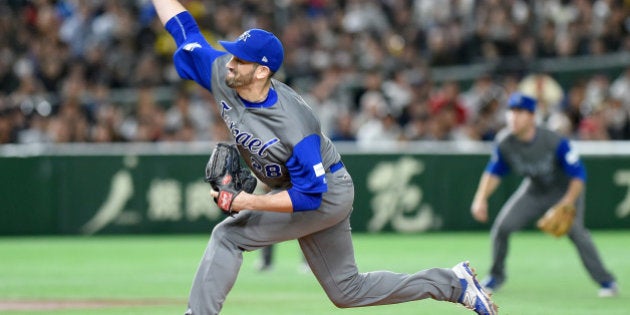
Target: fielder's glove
[[558, 220], [227, 177]]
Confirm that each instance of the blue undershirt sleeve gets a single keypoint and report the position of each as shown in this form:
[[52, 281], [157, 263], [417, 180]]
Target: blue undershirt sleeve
[[570, 160], [194, 56], [497, 165], [307, 175], [304, 201], [181, 27]]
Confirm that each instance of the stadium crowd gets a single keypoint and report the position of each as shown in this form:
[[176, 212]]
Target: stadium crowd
[[101, 71]]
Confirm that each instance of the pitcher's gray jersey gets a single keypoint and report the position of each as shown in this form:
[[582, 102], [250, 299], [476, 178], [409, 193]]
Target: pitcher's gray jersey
[[267, 135]]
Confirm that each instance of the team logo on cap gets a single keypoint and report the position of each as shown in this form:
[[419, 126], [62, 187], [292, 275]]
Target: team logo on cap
[[245, 36]]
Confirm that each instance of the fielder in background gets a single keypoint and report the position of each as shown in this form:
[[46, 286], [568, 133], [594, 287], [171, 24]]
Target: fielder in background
[[281, 141], [554, 181]]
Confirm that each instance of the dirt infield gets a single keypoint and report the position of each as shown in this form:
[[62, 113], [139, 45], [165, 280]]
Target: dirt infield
[[42, 305]]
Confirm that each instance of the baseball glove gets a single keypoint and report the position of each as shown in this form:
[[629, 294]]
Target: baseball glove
[[557, 220], [227, 177]]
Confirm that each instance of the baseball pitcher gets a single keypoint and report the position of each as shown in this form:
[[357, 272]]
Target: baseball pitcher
[[280, 140]]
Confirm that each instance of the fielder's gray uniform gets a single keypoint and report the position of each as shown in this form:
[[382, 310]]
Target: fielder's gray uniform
[[281, 141], [548, 164]]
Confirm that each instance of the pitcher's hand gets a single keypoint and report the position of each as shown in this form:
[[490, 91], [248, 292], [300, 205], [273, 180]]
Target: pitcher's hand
[[479, 210]]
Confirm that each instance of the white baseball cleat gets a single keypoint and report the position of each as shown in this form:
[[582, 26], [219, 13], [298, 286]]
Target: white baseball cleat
[[473, 296], [608, 289]]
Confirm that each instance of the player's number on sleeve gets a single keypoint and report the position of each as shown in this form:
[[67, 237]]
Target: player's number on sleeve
[[270, 170], [273, 170]]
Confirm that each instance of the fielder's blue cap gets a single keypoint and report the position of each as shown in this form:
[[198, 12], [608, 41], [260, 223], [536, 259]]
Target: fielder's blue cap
[[259, 46], [520, 101]]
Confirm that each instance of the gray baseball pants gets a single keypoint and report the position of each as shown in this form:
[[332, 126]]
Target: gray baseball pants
[[325, 239], [524, 207]]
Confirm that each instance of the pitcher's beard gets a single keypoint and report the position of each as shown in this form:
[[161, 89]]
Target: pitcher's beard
[[239, 81], [231, 82]]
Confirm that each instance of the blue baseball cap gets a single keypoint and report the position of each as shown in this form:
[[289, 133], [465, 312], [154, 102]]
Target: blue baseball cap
[[520, 101], [259, 46]]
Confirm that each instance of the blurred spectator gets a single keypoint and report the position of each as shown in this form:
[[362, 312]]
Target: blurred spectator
[[418, 126], [442, 123], [380, 128], [559, 122], [146, 121], [449, 97], [617, 119], [593, 127], [107, 126], [322, 100], [489, 120], [373, 107], [572, 107], [71, 123], [35, 132], [343, 129], [595, 94], [398, 91], [6, 127], [479, 95], [546, 90], [188, 117], [620, 88], [546, 41]]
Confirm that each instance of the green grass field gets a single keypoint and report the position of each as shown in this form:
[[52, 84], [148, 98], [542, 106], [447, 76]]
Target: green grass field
[[152, 274]]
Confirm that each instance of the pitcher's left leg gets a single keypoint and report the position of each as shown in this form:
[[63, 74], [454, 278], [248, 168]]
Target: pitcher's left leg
[[330, 255]]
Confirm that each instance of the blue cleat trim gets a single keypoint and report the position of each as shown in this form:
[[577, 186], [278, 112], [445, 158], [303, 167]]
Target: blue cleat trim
[[473, 295]]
